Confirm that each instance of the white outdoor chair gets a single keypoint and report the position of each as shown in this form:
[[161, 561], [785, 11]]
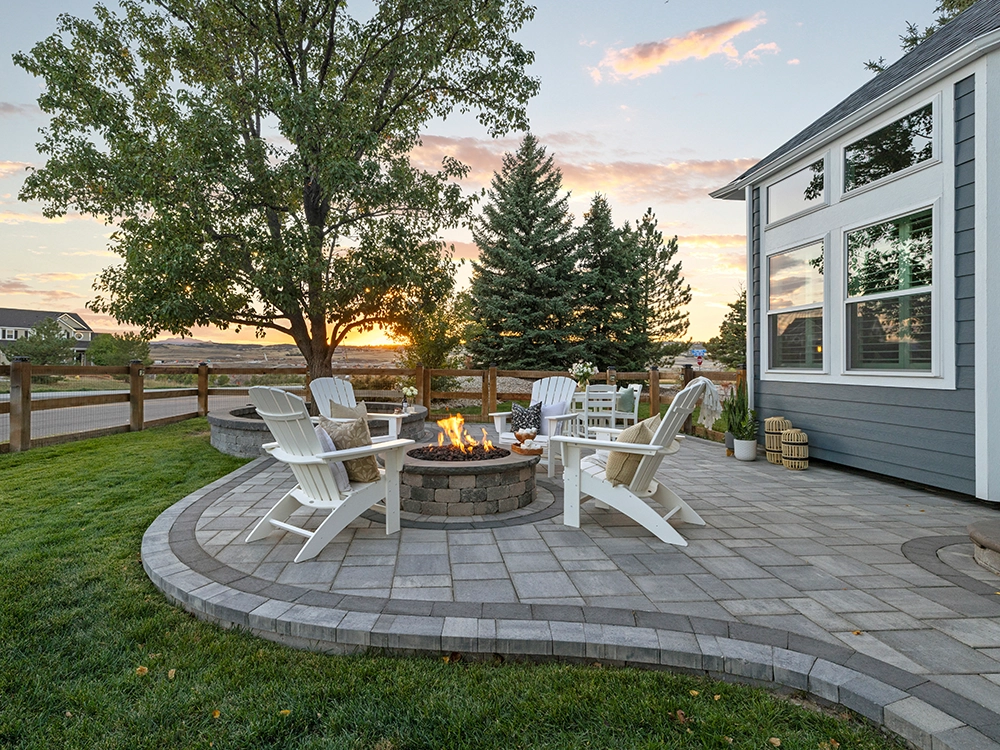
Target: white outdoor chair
[[325, 390], [599, 403], [626, 417], [584, 476], [550, 392], [298, 446]]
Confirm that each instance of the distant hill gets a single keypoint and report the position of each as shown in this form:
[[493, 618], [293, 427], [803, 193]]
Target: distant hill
[[193, 351]]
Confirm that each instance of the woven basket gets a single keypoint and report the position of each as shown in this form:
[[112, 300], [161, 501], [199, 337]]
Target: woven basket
[[795, 450], [773, 427]]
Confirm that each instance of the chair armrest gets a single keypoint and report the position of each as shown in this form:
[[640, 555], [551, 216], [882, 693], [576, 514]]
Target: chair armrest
[[345, 455], [499, 414], [641, 448]]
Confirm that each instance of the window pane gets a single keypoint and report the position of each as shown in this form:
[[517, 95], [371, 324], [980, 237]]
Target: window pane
[[796, 192], [893, 334], [797, 339], [895, 147], [894, 255], [795, 278]]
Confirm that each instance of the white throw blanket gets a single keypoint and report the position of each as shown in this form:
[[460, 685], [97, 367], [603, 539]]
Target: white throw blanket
[[711, 402]]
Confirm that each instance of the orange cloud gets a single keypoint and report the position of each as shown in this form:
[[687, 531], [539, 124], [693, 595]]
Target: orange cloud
[[647, 58], [18, 217], [20, 287], [10, 168], [465, 250], [770, 48], [712, 240], [8, 109]]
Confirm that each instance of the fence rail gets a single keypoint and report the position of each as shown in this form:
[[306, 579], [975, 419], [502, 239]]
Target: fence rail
[[22, 403]]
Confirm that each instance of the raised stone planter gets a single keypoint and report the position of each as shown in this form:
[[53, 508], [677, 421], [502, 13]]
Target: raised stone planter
[[468, 488]]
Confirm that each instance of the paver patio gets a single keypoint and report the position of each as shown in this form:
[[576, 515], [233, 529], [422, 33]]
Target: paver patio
[[862, 592]]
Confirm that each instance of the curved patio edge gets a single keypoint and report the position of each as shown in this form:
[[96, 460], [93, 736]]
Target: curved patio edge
[[920, 711]]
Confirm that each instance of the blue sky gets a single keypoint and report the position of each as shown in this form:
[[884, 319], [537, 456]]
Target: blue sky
[[652, 103]]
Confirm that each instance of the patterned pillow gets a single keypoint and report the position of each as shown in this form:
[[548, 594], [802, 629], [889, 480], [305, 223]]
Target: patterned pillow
[[353, 434], [337, 467], [621, 466], [529, 418], [339, 411]]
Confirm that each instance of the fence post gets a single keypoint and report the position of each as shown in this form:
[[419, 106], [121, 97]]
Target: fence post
[[612, 374], [418, 378], [687, 377], [136, 377], [654, 391], [20, 404], [427, 389], [493, 387], [486, 394], [202, 389]]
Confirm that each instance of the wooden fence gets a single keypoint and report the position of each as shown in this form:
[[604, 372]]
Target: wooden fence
[[21, 404]]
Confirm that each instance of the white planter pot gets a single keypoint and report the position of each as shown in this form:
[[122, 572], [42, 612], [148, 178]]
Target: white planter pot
[[745, 450]]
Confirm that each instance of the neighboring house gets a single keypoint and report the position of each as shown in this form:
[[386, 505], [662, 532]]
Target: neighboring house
[[873, 246], [15, 324]]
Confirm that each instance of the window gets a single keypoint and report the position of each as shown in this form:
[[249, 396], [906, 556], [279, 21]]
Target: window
[[901, 144], [795, 308], [795, 193], [889, 290]]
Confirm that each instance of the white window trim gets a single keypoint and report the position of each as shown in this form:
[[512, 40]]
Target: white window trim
[[765, 197], [771, 373], [936, 122]]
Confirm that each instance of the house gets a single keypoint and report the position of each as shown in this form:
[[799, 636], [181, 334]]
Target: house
[[873, 257], [15, 324]]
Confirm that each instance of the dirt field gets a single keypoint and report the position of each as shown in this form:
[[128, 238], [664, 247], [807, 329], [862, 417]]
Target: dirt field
[[188, 351]]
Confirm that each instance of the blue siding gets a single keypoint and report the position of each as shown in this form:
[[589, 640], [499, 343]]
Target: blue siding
[[925, 436]]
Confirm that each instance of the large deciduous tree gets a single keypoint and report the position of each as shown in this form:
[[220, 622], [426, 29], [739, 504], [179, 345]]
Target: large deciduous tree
[[524, 285], [254, 154]]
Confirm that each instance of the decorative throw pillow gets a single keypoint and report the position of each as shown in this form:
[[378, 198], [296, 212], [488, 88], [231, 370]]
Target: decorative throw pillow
[[626, 400], [339, 411], [529, 418], [353, 434], [326, 445], [552, 410], [621, 467]]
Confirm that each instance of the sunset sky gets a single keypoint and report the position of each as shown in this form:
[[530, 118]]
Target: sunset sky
[[652, 103]]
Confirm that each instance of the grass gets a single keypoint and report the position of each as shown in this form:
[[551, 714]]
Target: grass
[[93, 656]]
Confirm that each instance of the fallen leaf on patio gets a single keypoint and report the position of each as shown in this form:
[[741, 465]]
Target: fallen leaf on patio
[[856, 632], [284, 712], [141, 670], [216, 714], [694, 692], [775, 741], [171, 673]]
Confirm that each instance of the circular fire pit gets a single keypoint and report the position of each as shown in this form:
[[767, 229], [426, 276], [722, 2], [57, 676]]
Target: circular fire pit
[[467, 488]]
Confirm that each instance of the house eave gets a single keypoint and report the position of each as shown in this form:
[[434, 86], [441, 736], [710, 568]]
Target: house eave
[[978, 47]]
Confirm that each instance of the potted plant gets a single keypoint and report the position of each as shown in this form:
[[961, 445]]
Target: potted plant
[[744, 428], [582, 372], [734, 408]]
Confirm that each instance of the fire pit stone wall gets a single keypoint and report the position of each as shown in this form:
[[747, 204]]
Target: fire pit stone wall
[[468, 488]]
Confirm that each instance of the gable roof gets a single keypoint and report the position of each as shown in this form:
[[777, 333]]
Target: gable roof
[[980, 19], [14, 318]]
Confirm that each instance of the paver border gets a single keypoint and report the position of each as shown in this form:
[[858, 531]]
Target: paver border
[[925, 714]]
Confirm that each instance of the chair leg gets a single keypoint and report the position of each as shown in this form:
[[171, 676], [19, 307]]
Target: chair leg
[[571, 486], [671, 501], [393, 461], [280, 512], [645, 516], [334, 523]]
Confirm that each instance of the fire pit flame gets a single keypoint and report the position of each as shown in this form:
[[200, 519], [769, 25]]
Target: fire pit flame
[[454, 429]]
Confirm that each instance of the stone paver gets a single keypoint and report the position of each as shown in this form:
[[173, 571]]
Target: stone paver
[[858, 590]]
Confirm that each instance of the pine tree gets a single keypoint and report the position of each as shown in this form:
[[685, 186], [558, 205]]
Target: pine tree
[[665, 293], [524, 284], [730, 346], [946, 10], [610, 308]]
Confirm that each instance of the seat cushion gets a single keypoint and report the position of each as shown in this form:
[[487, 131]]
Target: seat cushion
[[526, 418], [353, 434], [339, 411], [621, 466], [626, 399], [552, 410], [327, 445]]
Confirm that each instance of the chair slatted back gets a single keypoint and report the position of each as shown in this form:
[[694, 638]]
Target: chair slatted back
[[680, 409], [288, 420], [636, 389], [554, 390], [325, 390]]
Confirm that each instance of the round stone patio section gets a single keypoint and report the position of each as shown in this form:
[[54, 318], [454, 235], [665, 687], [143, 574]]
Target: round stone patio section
[[860, 592], [467, 488]]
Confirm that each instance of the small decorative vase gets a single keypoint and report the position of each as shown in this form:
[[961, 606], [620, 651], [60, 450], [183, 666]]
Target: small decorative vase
[[745, 450]]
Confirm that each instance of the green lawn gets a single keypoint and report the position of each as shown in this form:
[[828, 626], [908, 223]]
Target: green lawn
[[92, 656]]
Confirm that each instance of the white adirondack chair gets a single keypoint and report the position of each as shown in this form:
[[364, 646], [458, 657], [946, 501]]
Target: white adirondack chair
[[584, 476], [548, 391], [298, 446], [627, 417], [599, 403], [325, 390]]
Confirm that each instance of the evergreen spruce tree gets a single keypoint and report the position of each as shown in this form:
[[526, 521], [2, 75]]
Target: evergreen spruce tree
[[730, 346], [666, 294], [610, 311], [524, 285]]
